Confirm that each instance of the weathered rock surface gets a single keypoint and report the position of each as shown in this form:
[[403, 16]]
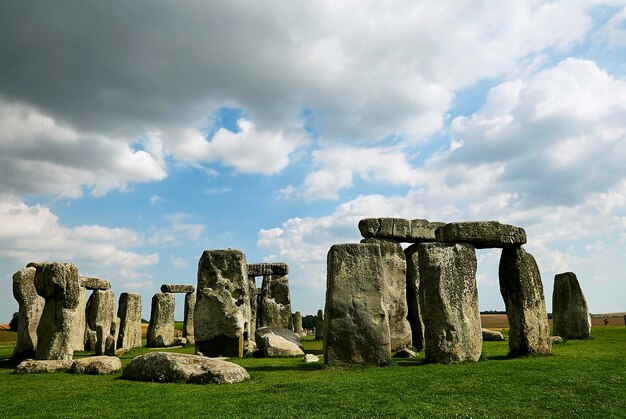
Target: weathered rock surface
[[492, 335], [522, 291], [570, 313], [31, 366], [190, 306], [167, 367], [96, 365], [319, 325], [275, 302], [100, 315], [277, 342], [310, 358], [129, 312], [177, 288], [452, 331], [30, 308], [414, 316], [161, 327], [254, 303], [356, 326], [79, 319], [262, 269], [394, 292], [482, 234], [410, 231], [59, 284], [92, 283], [297, 322]]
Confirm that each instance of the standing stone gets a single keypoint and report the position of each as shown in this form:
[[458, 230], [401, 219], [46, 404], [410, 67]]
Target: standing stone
[[222, 313], [30, 309], [129, 312], [452, 328], [275, 302], [522, 291], [413, 296], [79, 315], [100, 315], [394, 292], [110, 341], [297, 322], [252, 290], [161, 327], [319, 325], [570, 313], [59, 285], [356, 327], [190, 305]]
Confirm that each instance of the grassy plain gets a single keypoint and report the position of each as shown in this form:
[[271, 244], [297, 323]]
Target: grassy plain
[[581, 379]]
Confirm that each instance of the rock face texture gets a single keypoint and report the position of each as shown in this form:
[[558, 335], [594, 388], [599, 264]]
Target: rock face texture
[[414, 315], [129, 313], [177, 289], [59, 284], [161, 327], [570, 313], [482, 234], [100, 315], [275, 302], [92, 283], [30, 309], [297, 322], [356, 326], [31, 366], [166, 367], [451, 315], [522, 291], [222, 312], [399, 229], [96, 365], [492, 335], [319, 325], [79, 315], [190, 306], [276, 342], [262, 269], [394, 292]]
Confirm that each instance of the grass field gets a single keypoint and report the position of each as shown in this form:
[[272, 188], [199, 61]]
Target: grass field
[[581, 379]]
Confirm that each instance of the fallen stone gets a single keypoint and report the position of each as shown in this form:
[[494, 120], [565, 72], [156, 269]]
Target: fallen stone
[[556, 339], [96, 365], [451, 316], [492, 335], [92, 283], [310, 358], [482, 234], [410, 231], [121, 351], [161, 327], [30, 308], [570, 313], [275, 342], [31, 366], [129, 312], [165, 367], [414, 316], [356, 326], [177, 289], [405, 353], [262, 269]]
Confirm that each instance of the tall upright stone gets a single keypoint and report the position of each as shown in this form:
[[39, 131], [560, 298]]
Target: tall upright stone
[[356, 326], [30, 308], [319, 325], [161, 327], [522, 291], [59, 284], [451, 315], [275, 308], [222, 314], [297, 322], [100, 316], [252, 290], [570, 313], [79, 315], [394, 292], [129, 312], [188, 329], [414, 316]]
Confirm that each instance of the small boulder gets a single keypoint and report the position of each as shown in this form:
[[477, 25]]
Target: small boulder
[[556, 339], [31, 366], [277, 342], [168, 367], [492, 335], [405, 353], [310, 358], [96, 365]]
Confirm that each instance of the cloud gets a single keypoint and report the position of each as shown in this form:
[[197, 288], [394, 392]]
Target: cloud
[[155, 199], [178, 231], [178, 262]]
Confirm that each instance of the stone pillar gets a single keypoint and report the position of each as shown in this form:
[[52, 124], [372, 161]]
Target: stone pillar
[[30, 308], [414, 316], [190, 305], [253, 305], [394, 292], [451, 315], [297, 322], [80, 319], [129, 312], [570, 313], [319, 325], [356, 327], [275, 302], [161, 327], [222, 313], [100, 316], [59, 285], [522, 291]]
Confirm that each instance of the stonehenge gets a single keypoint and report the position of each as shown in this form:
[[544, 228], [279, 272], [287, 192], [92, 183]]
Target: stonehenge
[[100, 314], [161, 327], [30, 308], [570, 313], [129, 313]]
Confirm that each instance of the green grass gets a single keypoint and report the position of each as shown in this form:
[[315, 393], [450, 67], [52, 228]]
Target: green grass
[[581, 379]]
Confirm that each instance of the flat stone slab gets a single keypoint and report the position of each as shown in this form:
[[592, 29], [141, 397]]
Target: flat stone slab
[[278, 342], [262, 269], [399, 229], [167, 367], [32, 366], [482, 234], [178, 288], [92, 283], [96, 365], [492, 335]]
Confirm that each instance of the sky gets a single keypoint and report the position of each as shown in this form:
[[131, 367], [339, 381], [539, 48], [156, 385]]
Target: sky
[[135, 135]]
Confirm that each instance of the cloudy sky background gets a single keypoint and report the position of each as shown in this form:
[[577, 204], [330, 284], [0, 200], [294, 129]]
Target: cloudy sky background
[[134, 135]]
